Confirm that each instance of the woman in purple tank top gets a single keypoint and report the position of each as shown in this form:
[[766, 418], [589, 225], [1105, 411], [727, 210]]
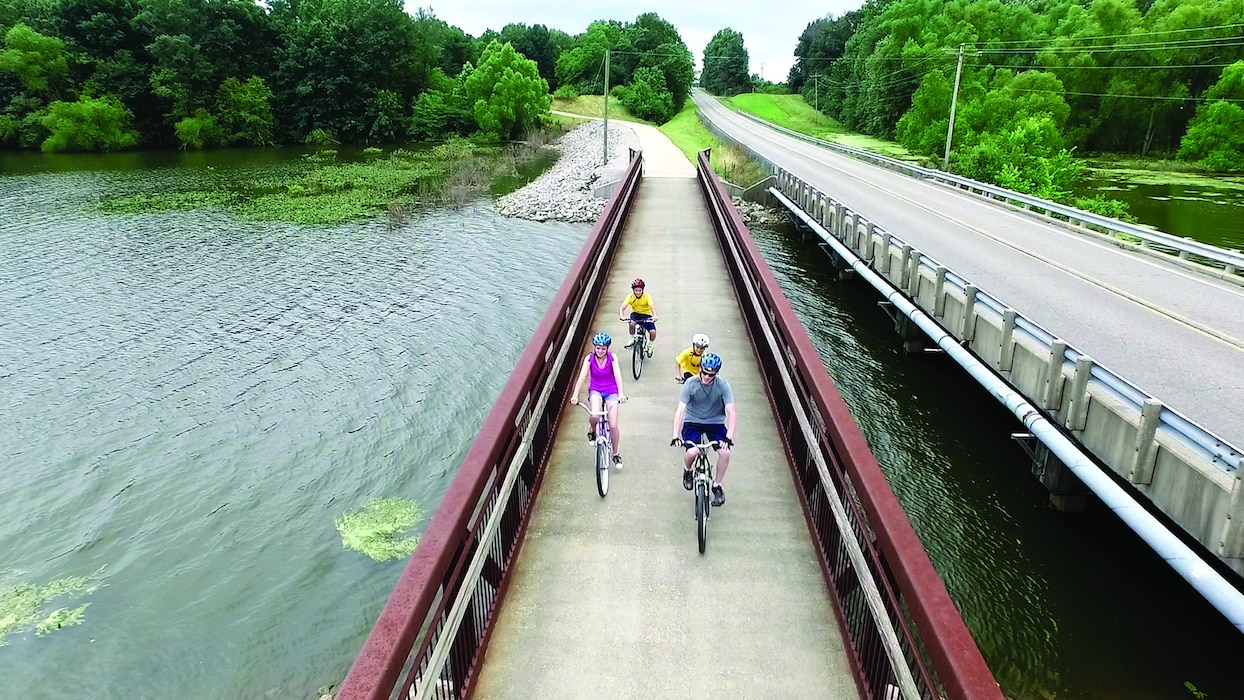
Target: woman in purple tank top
[[604, 388]]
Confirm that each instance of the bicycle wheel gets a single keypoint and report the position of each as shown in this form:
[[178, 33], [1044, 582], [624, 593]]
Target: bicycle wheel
[[637, 357], [701, 514], [602, 468]]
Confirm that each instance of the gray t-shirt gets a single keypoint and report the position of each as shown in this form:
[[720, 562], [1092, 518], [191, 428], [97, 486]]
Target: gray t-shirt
[[706, 404]]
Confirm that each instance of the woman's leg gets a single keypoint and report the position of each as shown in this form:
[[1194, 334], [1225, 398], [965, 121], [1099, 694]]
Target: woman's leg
[[615, 435], [594, 399]]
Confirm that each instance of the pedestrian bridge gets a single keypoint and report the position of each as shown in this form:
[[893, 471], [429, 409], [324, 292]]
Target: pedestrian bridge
[[528, 584]]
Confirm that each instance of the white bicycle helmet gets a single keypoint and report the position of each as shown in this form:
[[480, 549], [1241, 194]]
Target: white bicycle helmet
[[699, 340]]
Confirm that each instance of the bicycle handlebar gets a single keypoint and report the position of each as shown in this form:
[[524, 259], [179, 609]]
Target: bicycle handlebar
[[715, 444], [602, 413]]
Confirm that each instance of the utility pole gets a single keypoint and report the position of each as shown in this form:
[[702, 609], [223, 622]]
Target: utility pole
[[816, 94], [605, 159], [954, 100]]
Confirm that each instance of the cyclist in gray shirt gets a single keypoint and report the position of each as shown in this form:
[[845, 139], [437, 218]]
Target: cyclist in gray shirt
[[706, 407]]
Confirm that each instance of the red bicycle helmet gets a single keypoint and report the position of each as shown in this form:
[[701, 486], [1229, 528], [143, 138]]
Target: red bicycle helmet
[[639, 282]]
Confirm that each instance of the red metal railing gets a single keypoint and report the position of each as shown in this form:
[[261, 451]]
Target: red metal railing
[[431, 633], [831, 460]]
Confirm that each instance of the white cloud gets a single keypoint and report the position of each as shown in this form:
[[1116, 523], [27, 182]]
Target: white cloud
[[770, 32]]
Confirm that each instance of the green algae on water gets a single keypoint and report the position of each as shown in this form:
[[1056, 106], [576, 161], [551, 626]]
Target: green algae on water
[[374, 529], [21, 605], [323, 190], [61, 617]]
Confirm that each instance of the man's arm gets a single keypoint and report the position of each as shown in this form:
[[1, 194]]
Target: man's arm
[[622, 309], [731, 418], [679, 416]]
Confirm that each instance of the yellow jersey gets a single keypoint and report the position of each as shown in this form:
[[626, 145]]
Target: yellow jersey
[[641, 304], [689, 361]]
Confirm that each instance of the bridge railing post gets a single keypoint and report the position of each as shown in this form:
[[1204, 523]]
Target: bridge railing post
[[967, 326], [1006, 343], [913, 281], [1052, 396], [939, 291], [1078, 415], [1146, 447]]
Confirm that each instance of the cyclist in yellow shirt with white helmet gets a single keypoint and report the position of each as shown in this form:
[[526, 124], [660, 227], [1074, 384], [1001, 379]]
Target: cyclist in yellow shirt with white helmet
[[688, 361]]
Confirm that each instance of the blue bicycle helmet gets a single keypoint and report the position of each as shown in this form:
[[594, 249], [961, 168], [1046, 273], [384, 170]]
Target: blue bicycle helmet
[[602, 339], [710, 362]]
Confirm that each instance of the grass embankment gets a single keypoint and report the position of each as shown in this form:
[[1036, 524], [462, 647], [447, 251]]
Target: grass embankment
[[594, 106], [327, 191], [729, 162], [792, 112]]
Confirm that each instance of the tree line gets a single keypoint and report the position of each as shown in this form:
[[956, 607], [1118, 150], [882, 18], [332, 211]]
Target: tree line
[[1040, 79], [112, 74]]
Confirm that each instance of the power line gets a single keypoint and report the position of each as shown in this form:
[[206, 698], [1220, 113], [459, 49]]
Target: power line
[[1123, 36], [1136, 97], [1118, 67], [1188, 44]]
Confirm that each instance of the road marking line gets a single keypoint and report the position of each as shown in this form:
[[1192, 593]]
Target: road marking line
[[1206, 331]]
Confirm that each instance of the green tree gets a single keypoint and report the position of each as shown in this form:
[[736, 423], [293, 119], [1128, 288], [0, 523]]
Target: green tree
[[646, 96], [725, 64], [582, 65], [38, 61], [89, 124], [388, 118], [536, 43], [200, 130], [337, 55], [677, 66], [506, 93], [245, 111], [1215, 137]]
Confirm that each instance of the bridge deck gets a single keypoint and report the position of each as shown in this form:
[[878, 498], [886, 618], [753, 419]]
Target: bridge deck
[[610, 597]]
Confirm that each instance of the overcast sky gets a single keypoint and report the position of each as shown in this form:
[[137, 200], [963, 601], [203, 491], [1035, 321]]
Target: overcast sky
[[770, 29]]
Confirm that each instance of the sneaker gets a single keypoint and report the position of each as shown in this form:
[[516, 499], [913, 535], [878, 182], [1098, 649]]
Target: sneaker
[[617, 461], [649, 350], [687, 479], [719, 496], [591, 436]]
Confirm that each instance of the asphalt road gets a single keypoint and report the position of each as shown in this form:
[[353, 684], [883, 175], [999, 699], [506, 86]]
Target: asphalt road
[[1174, 333]]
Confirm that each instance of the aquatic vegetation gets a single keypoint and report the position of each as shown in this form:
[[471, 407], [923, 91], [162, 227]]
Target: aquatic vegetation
[[21, 605], [374, 529], [61, 617], [326, 191]]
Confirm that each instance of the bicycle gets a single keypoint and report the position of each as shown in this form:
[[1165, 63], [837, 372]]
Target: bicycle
[[702, 479], [639, 347], [604, 447]]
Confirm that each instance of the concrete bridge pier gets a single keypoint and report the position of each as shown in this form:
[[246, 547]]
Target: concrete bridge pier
[[1067, 493]]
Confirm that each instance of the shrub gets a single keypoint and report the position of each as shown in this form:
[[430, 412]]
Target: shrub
[[89, 124], [647, 98], [200, 131], [566, 92]]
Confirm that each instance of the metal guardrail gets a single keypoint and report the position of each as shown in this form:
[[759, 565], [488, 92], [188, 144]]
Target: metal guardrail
[[877, 570], [1211, 447], [430, 636], [1231, 261]]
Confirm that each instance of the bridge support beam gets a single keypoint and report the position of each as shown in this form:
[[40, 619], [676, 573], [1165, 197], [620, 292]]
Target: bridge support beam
[[1067, 493]]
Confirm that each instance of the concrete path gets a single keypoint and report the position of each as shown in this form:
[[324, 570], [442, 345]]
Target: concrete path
[[661, 157], [610, 597]]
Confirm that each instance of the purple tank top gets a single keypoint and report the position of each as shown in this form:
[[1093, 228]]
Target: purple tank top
[[602, 377]]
